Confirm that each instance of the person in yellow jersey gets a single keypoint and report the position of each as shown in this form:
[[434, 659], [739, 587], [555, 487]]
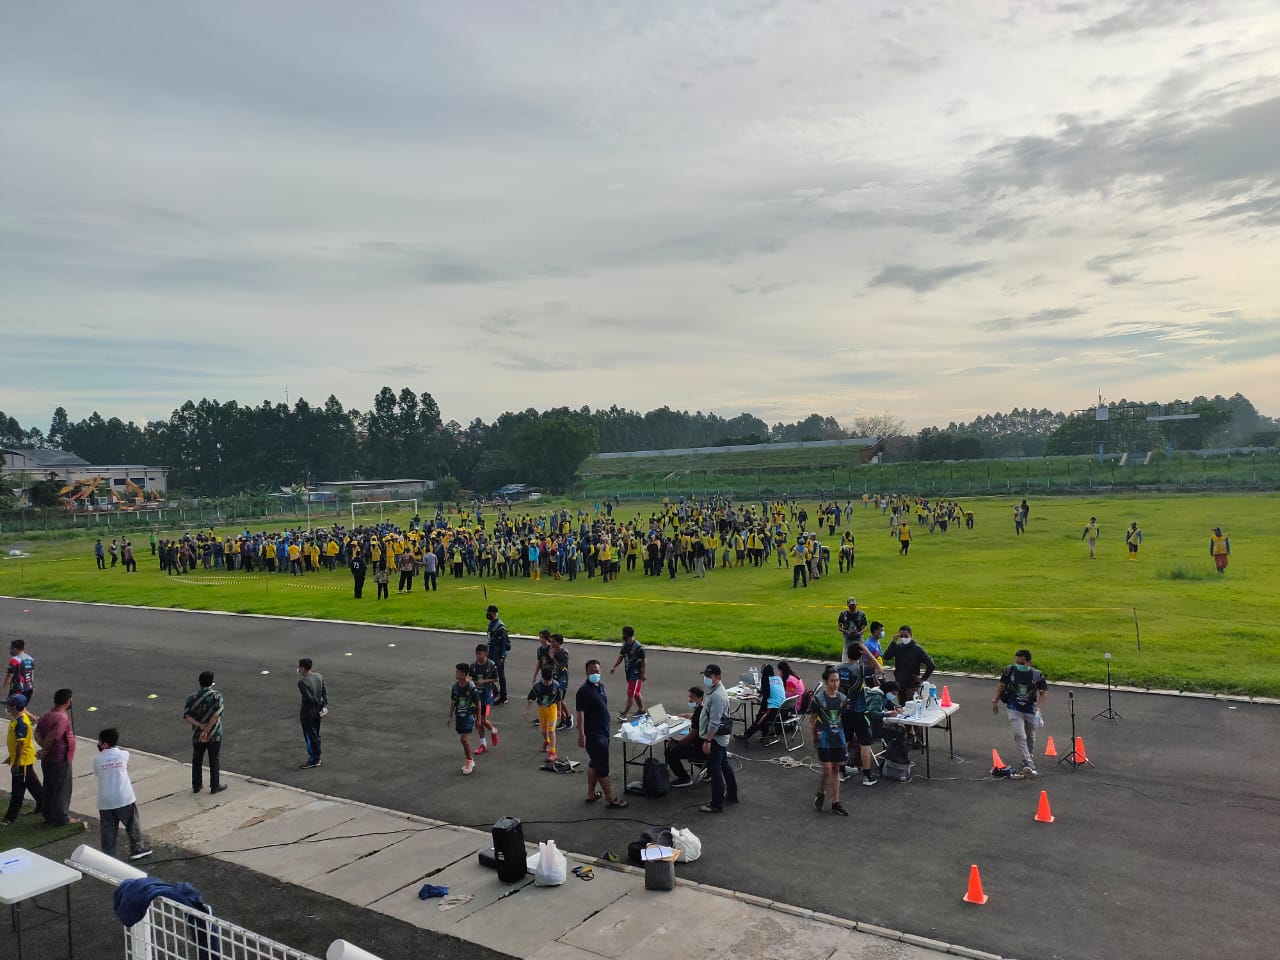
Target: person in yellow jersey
[[270, 550], [331, 552], [800, 564], [1220, 549], [295, 558], [904, 538], [22, 759], [1091, 534]]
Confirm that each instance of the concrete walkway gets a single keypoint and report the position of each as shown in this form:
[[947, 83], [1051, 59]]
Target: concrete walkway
[[378, 859]]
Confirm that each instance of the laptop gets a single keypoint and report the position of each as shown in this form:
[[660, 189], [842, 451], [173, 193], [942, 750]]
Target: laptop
[[658, 714]]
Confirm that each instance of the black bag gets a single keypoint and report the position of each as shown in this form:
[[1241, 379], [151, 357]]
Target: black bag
[[895, 749], [657, 835], [654, 781]]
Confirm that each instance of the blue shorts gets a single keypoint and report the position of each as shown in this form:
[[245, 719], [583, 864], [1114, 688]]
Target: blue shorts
[[598, 756], [464, 725]]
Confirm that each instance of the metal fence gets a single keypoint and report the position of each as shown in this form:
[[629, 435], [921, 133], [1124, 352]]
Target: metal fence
[[172, 931]]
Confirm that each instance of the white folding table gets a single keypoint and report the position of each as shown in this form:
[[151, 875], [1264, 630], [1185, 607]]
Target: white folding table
[[24, 876], [933, 715]]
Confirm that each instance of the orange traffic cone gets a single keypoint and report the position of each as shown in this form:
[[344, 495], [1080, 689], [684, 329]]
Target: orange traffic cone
[[1049, 749], [1079, 755], [974, 894], [946, 697], [1042, 812], [996, 762]]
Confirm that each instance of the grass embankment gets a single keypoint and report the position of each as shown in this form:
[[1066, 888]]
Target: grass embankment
[[772, 472], [973, 597]]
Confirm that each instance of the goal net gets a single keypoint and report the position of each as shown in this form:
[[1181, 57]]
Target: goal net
[[379, 510]]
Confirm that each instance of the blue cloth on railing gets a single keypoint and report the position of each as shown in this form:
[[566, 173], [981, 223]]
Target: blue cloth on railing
[[133, 897]]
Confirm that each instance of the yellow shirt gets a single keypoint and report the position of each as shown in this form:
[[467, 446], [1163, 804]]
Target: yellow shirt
[[22, 745]]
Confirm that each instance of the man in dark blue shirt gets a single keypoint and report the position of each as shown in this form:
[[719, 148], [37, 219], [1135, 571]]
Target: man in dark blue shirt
[[593, 735]]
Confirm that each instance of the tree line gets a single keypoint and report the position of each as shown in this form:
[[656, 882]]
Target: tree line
[[219, 449]]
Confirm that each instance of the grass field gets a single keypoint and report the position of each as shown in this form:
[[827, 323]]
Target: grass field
[[972, 597]]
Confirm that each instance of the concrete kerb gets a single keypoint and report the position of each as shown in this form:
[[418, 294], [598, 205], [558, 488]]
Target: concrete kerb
[[747, 654], [802, 913]]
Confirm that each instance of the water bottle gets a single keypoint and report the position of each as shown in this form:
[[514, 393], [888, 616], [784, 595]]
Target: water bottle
[[755, 677]]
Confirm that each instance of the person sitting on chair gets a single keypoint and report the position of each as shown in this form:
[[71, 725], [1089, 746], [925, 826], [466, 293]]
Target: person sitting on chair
[[772, 694], [688, 746]]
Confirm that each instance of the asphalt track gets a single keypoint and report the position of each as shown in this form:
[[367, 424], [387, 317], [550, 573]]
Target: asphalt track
[[1166, 847]]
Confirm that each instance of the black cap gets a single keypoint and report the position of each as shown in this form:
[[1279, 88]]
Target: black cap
[[712, 670]]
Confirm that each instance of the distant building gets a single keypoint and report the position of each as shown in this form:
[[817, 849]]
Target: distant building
[[24, 466]]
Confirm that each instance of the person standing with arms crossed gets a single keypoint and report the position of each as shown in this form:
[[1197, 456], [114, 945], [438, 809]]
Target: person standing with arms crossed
[[315, 707], [633, 653], [203, 711]]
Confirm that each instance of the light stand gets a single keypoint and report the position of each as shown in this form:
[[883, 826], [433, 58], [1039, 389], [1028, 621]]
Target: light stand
[[1109, 713], [1069, 757]]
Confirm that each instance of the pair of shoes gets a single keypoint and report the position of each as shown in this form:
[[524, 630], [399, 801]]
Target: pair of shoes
[[708, 808], [218, 789], [469, 766], [479, 750], [140, 854], [623, 716], [870, 780], [310, 764], [838, 808], [819, 799], [1029, 772], [681, 782]]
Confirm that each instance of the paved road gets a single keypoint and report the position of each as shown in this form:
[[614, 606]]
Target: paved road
[[1167, 846]]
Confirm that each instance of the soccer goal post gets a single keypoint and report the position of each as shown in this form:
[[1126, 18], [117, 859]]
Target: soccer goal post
[[369, 509]]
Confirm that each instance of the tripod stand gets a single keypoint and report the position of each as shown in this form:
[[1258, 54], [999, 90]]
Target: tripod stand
[[1109, 713], [1069, 757]]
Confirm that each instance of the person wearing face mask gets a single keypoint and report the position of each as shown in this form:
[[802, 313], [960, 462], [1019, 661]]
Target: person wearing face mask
[[315, 705], [912, 666], [689, 746], [594, 728], [714, 727], [1022, 688]]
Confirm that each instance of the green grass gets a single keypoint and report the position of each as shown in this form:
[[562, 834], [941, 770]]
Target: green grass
[[973, 597], [30, 832], [807, 470]]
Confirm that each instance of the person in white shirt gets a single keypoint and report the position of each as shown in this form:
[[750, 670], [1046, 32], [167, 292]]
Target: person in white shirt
[[117, 805]]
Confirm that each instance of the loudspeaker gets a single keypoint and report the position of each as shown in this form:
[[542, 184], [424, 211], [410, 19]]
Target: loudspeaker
[[508, 850]]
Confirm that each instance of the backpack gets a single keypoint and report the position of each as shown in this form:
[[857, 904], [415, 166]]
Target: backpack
[[654, 781], [896, 750]]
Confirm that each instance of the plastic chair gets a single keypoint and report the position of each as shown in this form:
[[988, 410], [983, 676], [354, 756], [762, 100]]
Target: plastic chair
[[790, 724]]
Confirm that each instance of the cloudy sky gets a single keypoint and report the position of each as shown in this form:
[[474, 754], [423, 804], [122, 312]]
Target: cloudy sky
[[937, 208]]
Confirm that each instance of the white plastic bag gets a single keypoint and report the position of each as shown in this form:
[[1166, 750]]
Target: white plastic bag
[[552, 866], [690, 847]]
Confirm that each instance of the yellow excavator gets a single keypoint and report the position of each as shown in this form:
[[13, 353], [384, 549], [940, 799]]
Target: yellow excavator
[[78, 491]]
